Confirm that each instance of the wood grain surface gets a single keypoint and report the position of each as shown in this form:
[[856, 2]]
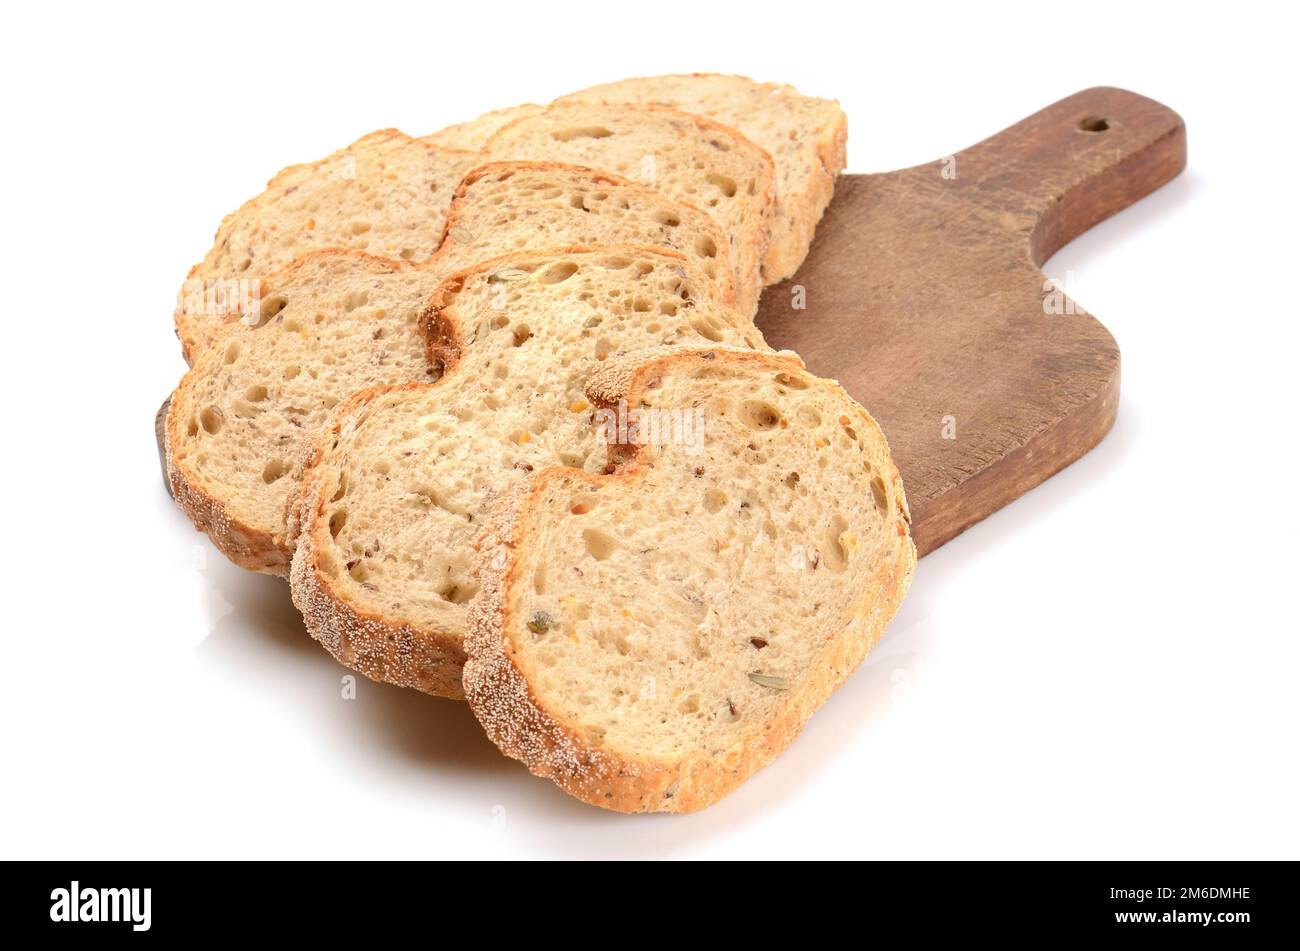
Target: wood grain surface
[[923, 296]]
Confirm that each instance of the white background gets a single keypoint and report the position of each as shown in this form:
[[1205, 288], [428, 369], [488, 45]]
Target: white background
[[1106, 668]]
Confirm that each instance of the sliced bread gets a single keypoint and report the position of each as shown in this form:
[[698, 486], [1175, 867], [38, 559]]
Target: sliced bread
[[649, 638], [337, 321], [400, 479], [386, 194], [689, 158], [475, 133], [806, 137]]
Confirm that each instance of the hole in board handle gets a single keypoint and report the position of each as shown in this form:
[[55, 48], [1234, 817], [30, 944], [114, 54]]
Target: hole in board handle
[[1093, 124]]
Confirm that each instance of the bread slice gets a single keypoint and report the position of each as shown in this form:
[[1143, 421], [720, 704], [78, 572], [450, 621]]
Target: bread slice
[[338, 321], [400, 480], [806, 137], [475, 133], [688, 158], [387, 194], [649, 638]]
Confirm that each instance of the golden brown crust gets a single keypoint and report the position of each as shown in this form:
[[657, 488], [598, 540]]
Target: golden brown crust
[[521, 724]]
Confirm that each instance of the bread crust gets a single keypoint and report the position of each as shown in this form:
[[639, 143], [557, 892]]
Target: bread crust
[[525, 728]]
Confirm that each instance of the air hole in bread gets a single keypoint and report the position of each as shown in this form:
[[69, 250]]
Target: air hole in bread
[[599, 544], [724, 184], [359, 227], [790, 381], [808, 417], [268, 309], [255, 394], [581, 132], [354, 299], [714, 500], [337, 520], [792, 480], [291, 371], [559, 273], [834, 551], [616, 263], [706, 246], [709, 328], [667, 218], [879, 496], [760, 415], [192, 429], [232, 353], [580, 507], [212, 419], [522, 333], [274, 470]]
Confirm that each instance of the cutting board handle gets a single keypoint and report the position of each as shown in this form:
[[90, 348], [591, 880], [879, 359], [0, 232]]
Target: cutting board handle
[[1073, 164]]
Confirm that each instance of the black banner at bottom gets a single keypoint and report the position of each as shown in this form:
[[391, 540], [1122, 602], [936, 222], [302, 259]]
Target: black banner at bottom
[[1220, 901]]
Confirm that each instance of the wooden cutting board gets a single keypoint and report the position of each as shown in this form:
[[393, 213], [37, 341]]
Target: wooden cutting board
[[923, 296]]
